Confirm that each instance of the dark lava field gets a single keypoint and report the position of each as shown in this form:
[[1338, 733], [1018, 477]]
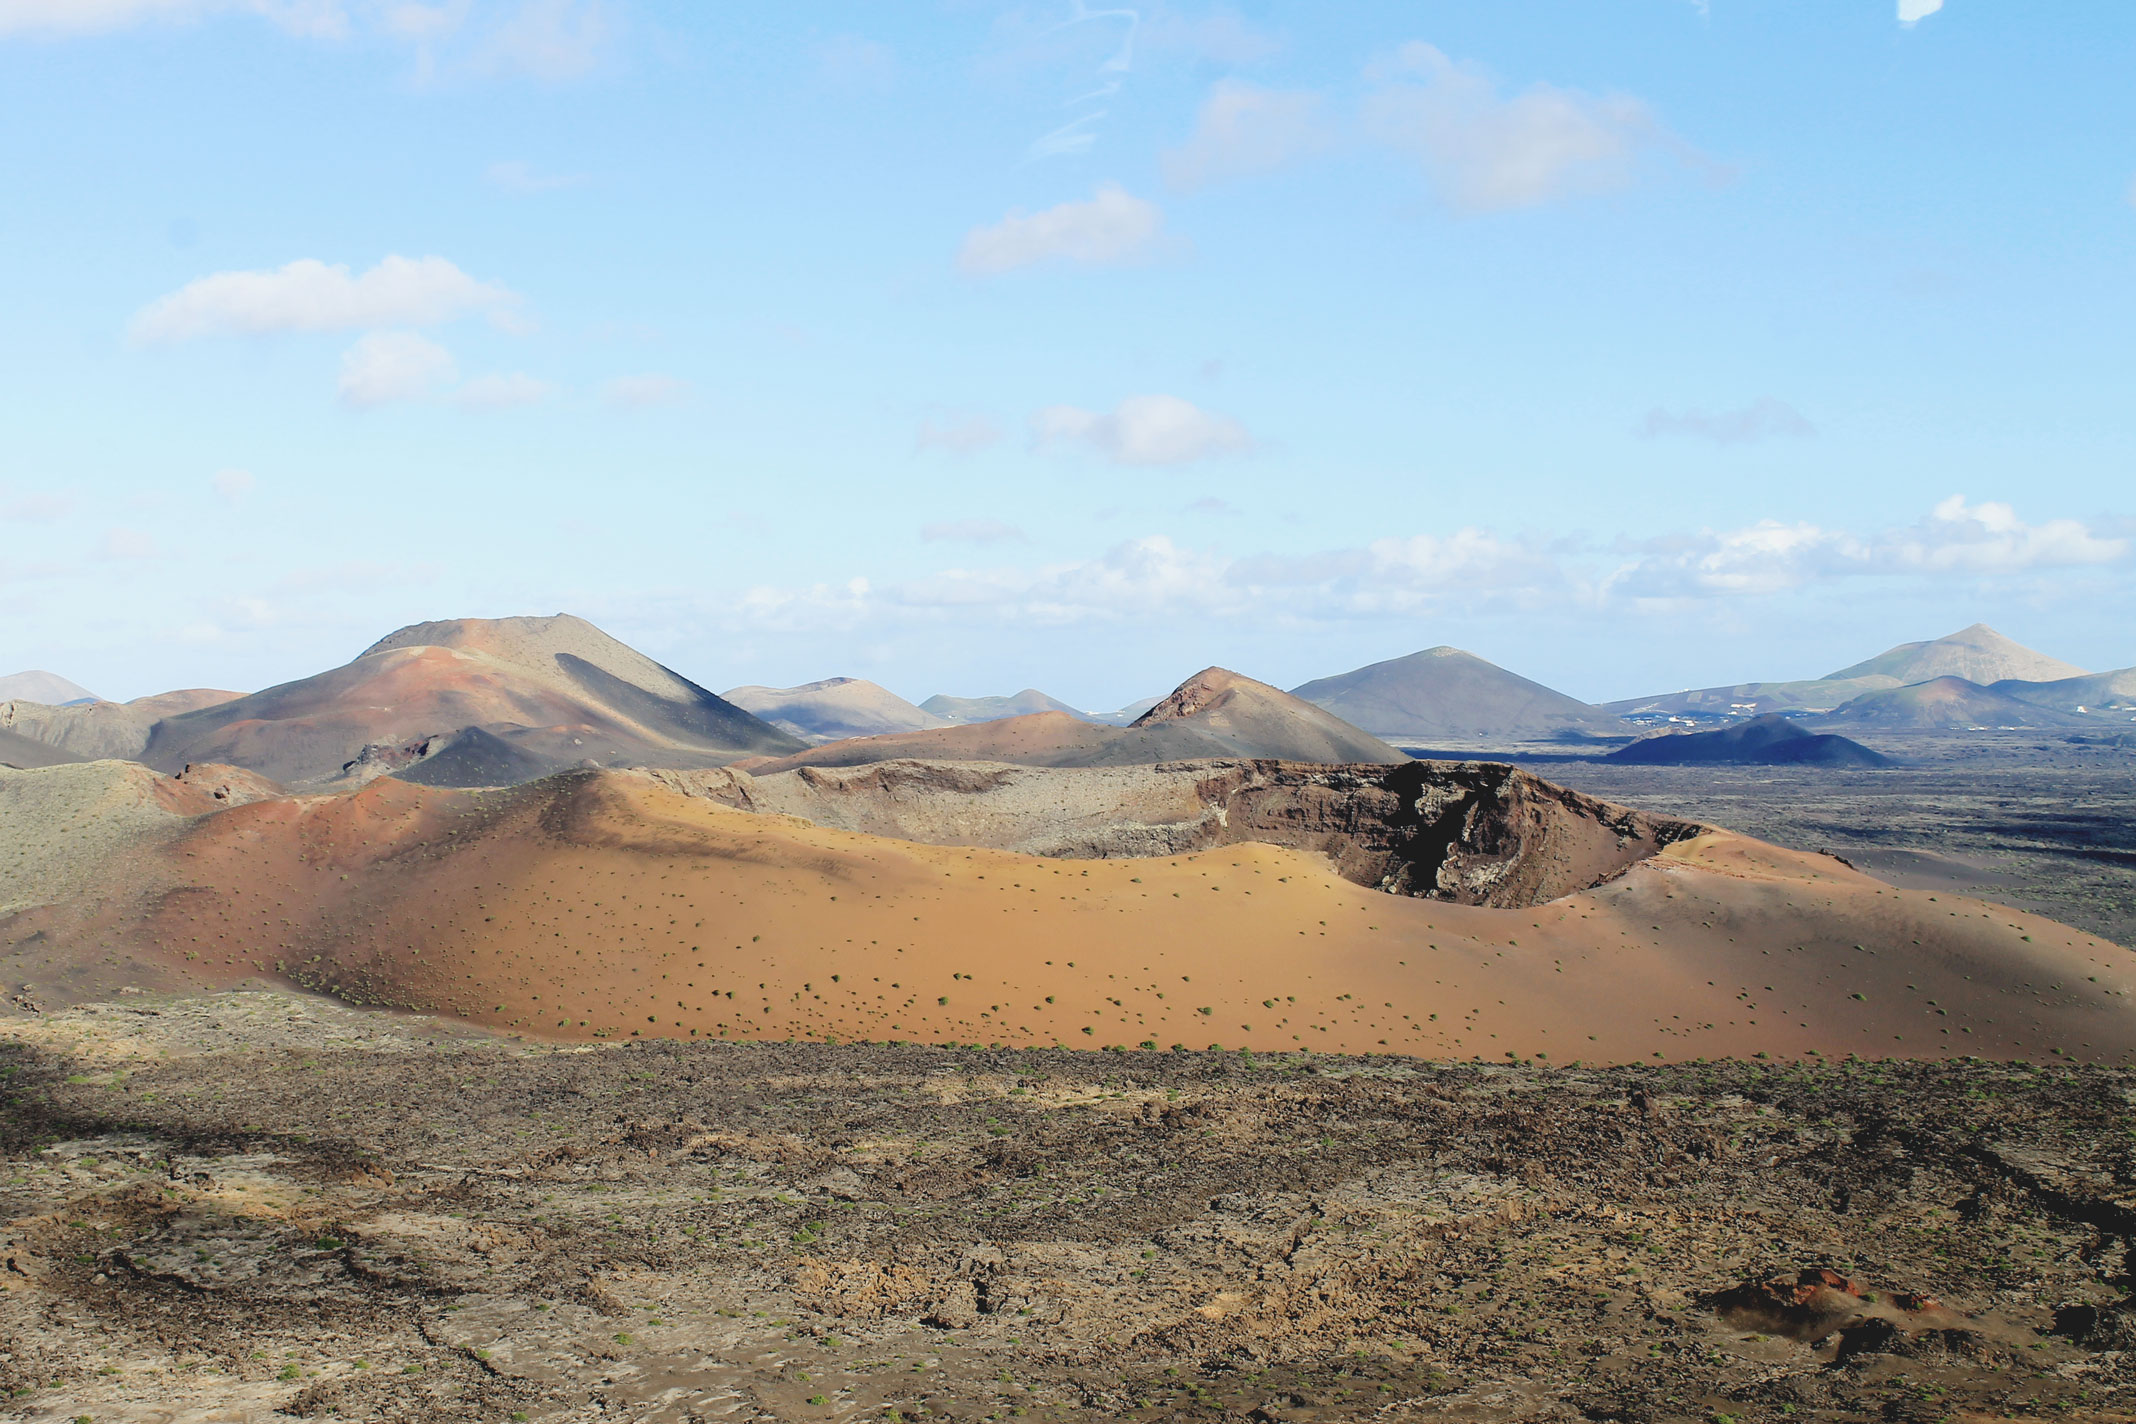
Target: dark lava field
[[254, 1207]]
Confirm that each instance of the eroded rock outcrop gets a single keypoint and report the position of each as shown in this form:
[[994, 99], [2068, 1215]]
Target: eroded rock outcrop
[[1473, 833]]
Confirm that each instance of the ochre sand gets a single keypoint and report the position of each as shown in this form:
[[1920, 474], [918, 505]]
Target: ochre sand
[[605, 904]]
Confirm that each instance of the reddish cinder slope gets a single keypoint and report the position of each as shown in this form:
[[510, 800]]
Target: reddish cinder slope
[[605, 904]]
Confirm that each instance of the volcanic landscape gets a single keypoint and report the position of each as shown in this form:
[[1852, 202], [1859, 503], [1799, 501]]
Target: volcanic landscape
[[502, 1025]]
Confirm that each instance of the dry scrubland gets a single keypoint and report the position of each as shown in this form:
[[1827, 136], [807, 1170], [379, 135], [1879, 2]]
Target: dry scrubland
[[251, 1207]]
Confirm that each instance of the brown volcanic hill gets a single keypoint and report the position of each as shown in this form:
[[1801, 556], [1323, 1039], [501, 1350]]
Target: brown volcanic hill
[[993, 709], [1446, 695], [92, 731], [558, 690], [1215, 713], [1253, 719], [1943, 703], [604, 904], [834, 708], [1977, 654]]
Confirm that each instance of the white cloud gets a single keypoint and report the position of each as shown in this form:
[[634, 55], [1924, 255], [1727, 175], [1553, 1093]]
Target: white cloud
[[1143, 430], [232, 484], [1112, 227], [1763, 419], [641, 392], [1487, 152], [309, 295], [1469, 571], [503, 391], [388, 366], [971, 531], [516, 176], [1242, 130], [550, 39], [1914, 11], [962, 436], [1956, 539], [322, 18]]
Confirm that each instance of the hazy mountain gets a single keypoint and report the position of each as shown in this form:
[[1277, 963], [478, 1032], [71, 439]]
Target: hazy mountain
[[1761, 741], [1444, 694], [46, 687], [993, 709], [1215, 713], [2097, 693], [1978, 654], [558, 691], [93, 731], [1124, 716], [1944, 703], [833, 709]]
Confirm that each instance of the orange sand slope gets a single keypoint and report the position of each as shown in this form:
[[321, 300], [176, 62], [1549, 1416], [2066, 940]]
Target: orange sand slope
[[605, 904]]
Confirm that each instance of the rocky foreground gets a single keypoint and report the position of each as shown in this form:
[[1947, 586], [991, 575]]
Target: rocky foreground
[[256, 1206]]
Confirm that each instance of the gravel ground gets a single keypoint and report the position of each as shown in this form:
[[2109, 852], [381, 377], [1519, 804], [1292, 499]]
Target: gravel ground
[[256, 1206]]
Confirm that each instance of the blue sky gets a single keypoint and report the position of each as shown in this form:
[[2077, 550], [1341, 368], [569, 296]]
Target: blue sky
[[971, 346]]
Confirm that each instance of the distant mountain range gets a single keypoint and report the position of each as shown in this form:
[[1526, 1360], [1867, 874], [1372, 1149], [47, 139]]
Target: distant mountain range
[[832, 709], [1979, 654], [993, 709], [483, 702], [1215, 713]]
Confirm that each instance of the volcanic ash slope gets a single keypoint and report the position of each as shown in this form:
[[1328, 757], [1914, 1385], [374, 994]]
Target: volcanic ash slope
[[603, 903]]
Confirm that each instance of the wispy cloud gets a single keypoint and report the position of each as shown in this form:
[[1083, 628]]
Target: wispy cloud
[[517, 176], [310, 295], [541, 39], [320, 18], [1488, 152], [964, 435], [1142, 430], [548, 39], [1763, 419], [1112, 227], [1914, 11], [1242, 130], [126, 544], [35, 509], [504, 391], [1468, 571], [642, 392]]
